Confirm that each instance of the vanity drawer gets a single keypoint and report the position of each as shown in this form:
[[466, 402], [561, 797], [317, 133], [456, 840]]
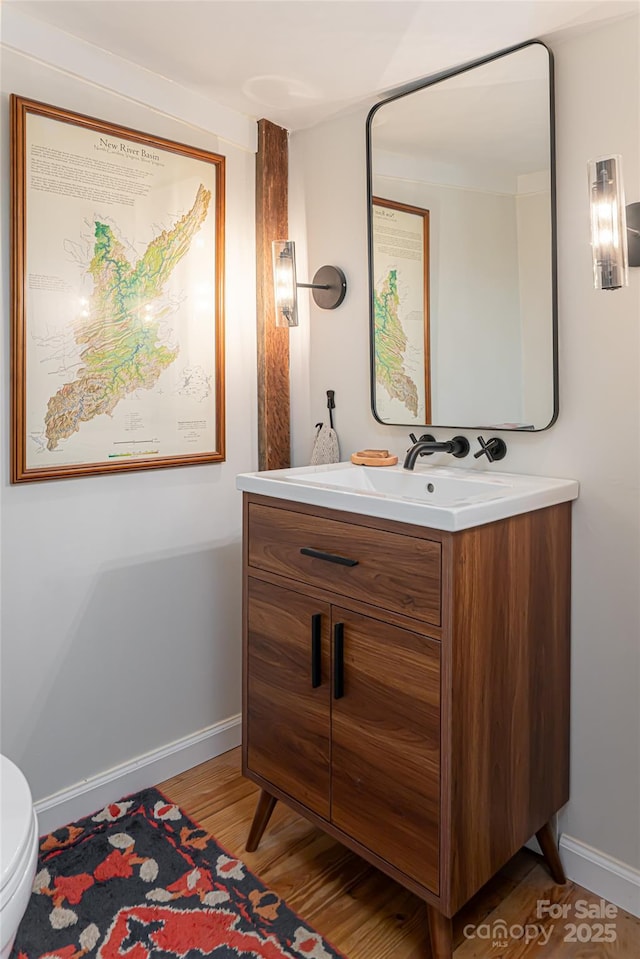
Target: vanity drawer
[[391, 570]]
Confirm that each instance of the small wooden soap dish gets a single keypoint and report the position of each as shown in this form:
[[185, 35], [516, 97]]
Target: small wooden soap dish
[[373, 458]]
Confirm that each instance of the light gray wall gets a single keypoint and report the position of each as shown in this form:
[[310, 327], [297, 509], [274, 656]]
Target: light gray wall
[[534, 230], [121, 595], [597, 437], [483, 315]]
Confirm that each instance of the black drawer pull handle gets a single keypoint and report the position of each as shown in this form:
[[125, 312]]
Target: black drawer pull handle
[[316, 650], [338, 661], [329, 557]]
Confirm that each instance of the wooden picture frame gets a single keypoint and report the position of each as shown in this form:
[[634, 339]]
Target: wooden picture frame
[[401, 340], [117, 296]]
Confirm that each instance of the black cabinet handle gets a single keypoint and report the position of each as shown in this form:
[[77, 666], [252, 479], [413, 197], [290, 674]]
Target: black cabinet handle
[[316, 650], [338, 661], [329, 557]]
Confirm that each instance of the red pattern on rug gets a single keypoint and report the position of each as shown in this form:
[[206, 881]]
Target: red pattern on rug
[[139, 879]]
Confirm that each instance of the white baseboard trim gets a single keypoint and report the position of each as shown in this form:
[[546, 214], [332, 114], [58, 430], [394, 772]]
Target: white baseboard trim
[[85, 797], [601, 874]]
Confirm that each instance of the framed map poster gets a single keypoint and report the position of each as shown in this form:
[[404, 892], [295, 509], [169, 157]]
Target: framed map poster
[[117, 270], [400, 329]]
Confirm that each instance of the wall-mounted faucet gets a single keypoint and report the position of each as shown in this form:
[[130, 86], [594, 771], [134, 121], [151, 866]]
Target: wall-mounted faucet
[[427, 444], [493, 449]]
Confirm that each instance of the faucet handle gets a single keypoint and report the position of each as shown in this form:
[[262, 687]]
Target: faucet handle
[[493, 449], [425, 438]]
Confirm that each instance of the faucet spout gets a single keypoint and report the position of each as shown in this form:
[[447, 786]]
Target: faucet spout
[[426, 445]]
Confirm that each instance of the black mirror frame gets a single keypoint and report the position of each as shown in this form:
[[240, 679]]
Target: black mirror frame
[[412, 88]]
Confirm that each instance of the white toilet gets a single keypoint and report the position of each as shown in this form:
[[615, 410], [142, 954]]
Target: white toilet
[[18, 850]]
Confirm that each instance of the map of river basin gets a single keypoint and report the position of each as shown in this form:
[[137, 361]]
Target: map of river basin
[[391, 345], [119, 337]]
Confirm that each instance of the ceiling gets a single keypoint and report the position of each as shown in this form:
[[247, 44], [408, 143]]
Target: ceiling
[[298, 62], [497, 115]]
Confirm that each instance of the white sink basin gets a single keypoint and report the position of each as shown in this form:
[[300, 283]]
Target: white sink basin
[[435, 496]]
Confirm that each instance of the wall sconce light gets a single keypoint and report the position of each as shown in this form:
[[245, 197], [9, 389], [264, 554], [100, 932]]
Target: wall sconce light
[[615, 229], [329, 284]]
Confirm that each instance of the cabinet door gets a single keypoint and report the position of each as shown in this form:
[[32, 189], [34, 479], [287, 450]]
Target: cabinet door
[[287, 716], [385, 787]]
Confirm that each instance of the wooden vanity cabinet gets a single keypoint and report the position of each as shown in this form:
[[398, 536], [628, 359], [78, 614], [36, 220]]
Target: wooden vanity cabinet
[[407, 689]]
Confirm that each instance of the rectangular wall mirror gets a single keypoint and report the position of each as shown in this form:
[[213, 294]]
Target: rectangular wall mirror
[[461, 181]]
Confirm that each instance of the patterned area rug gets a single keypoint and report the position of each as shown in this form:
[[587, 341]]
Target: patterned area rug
[[140, 879]]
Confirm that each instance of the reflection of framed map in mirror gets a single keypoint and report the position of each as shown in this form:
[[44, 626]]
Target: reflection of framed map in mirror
[[118, 260], [400, 282]]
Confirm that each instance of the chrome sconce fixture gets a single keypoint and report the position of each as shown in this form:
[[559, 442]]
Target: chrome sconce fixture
[[329, 284], [615, 228]]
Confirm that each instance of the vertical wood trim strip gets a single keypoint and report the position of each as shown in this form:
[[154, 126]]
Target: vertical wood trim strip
[[272, 173], [18, 374]]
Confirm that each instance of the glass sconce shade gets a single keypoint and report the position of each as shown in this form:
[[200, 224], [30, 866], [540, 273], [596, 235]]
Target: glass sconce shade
[[328, 289], [284, 280], [608, 224]]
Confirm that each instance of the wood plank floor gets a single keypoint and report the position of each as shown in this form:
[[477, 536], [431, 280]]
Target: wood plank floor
[[368, 916]]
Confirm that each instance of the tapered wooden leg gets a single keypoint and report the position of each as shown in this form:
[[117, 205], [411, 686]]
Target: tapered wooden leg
[[261, 817], [549, 846], [440, 934]]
